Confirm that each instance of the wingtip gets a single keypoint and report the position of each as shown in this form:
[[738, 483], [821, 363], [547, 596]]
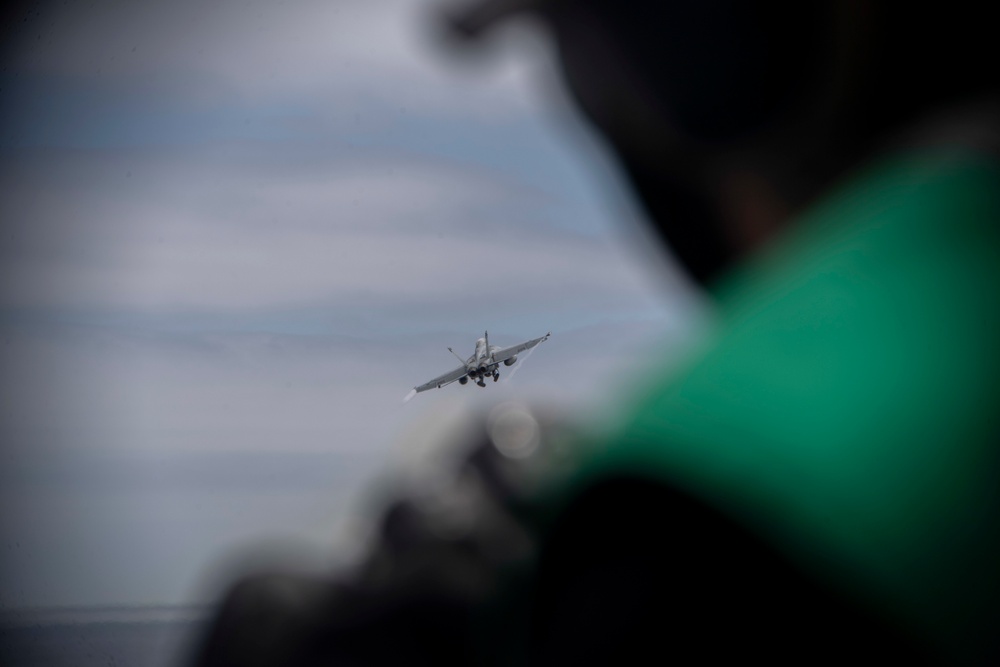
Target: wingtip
[[413, 392]]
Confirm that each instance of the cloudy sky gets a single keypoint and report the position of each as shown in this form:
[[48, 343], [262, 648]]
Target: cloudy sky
[[236, 233]]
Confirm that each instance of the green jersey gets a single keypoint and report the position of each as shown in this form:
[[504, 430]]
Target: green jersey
[[847, 407]]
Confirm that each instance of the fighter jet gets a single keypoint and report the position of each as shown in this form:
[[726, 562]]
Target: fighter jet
[[483, 363]]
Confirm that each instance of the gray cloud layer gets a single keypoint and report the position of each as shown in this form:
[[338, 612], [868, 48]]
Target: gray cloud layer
[[234, 235]]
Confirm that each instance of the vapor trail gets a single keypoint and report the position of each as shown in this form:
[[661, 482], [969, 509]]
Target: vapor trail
[[523, 359]]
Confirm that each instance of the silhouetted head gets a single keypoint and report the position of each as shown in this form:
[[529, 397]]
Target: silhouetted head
[[730, 115]]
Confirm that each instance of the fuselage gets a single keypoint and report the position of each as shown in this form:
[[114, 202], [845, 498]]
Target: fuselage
[[481, 352], [480, 364], [481, 357]]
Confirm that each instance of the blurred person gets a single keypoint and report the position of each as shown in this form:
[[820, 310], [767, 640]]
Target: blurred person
[[819, 483]]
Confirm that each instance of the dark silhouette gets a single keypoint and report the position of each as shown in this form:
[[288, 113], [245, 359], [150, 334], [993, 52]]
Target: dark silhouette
[[820, 486]]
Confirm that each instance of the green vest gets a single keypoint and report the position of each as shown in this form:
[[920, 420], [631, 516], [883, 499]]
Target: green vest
[[847, 406]]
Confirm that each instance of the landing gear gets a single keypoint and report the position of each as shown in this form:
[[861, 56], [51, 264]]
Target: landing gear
[[481, 382], [496, 375]]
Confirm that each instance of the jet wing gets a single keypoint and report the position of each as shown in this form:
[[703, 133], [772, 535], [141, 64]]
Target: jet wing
[[508, 352], [442, 380]]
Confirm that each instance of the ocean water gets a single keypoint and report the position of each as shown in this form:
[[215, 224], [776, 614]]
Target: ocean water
[[100, 637]]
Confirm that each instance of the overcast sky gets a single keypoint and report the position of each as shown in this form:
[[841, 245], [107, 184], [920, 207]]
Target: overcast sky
[[235, 234]]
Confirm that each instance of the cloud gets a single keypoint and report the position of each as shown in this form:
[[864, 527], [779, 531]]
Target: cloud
[[235, 235], [265, 50], [135, 461], [230, 228]]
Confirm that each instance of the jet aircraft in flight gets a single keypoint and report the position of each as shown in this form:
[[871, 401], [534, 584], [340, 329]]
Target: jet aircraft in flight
[[483, 363]]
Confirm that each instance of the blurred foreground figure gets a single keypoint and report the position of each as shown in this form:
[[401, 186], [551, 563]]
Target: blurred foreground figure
[[822, 483]]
